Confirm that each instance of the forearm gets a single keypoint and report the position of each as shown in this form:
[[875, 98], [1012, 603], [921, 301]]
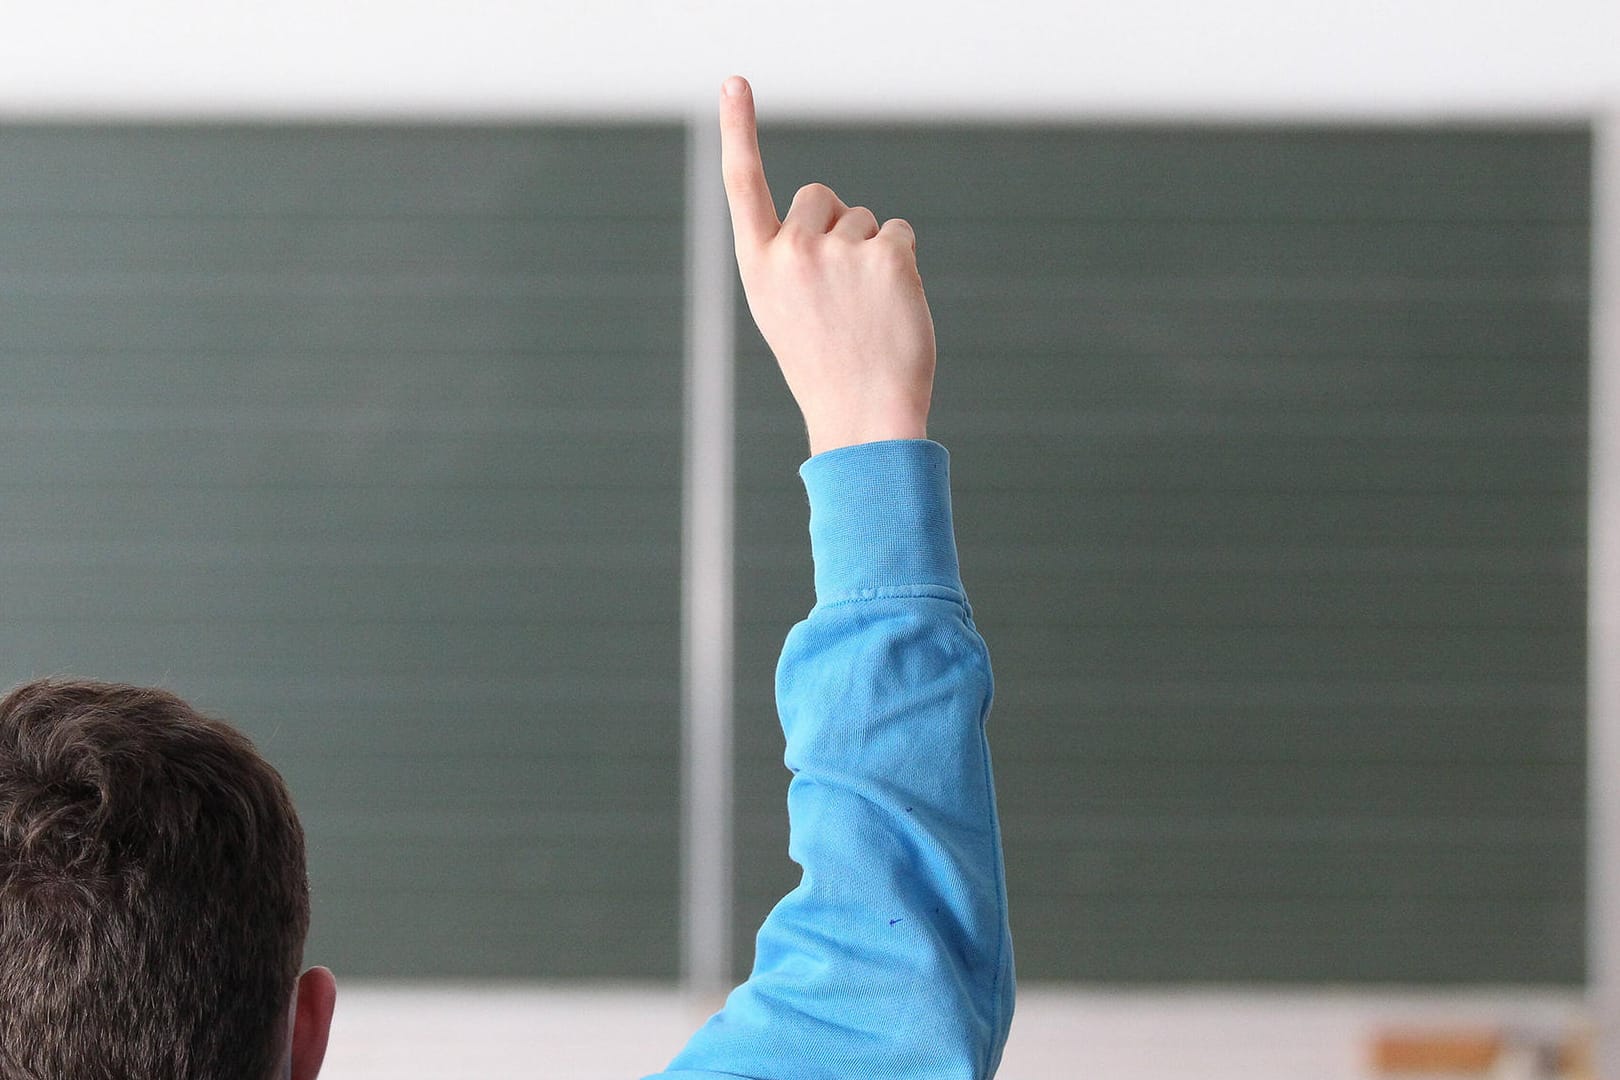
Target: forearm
[[892, 957]]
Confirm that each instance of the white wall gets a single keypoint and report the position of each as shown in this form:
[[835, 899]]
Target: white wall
[[1071, 57], [614, 1033]]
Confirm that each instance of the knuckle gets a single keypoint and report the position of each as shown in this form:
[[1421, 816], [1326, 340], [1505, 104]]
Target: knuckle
[[797, 240], [901, 237], [740, 178], [815, 191]]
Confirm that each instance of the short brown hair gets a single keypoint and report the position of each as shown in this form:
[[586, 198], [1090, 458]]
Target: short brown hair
[[153, 893]]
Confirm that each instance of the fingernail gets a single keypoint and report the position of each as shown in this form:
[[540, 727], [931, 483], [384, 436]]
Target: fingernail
[[735, 86]]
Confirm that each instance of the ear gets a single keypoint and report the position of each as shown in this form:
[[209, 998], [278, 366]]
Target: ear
[[312, 1021]]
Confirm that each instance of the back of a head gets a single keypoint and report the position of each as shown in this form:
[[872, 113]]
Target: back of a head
[[153, 896]]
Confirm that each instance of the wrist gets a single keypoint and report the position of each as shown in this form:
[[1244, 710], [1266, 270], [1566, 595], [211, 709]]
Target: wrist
[[846, 428], [838, 440]]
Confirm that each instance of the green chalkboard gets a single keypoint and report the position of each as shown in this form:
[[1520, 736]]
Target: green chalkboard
[[1269, 447], [367, 438], [1270, 458]]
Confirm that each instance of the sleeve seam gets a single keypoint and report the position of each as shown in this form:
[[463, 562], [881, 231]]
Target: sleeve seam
[[920, 591]]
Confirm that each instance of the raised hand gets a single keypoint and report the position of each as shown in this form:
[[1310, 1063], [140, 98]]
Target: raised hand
[[837, 298]]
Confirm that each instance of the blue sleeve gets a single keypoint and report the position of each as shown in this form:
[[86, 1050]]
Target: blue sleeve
[[892, 957]]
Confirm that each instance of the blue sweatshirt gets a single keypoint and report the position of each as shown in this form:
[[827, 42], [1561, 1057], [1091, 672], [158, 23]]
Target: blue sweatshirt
[[891, 960]]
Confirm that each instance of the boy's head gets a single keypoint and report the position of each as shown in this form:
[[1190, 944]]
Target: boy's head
[[153, 895]]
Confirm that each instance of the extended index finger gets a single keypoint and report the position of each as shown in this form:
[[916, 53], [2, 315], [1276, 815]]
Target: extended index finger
[[753, 215]]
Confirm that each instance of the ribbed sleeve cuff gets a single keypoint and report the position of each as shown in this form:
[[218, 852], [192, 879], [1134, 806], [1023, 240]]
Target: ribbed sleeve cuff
[[880, 518]]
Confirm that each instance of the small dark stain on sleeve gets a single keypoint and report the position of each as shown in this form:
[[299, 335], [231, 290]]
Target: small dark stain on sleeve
[[908, 809], [893, 921]]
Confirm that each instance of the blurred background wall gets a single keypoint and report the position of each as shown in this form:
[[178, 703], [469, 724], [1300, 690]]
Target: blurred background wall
[[1177, 58], [344, 354]]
